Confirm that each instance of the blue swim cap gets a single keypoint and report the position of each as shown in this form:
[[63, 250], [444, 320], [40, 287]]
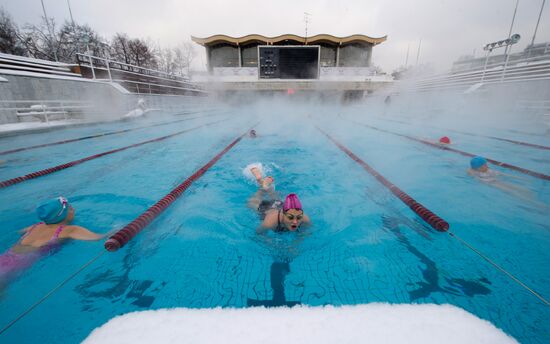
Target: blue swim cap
[[53, 211], [477, 162]]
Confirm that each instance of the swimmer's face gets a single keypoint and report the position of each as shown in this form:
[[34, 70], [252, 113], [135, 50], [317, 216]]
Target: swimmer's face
[[483, 168], [292, 219]]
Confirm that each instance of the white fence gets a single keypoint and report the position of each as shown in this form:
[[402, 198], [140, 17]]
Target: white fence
[[523, 70], [44, 110]]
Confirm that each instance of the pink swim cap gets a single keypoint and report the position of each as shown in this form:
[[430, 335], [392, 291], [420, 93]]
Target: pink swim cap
[[292, 202], [445, 139]]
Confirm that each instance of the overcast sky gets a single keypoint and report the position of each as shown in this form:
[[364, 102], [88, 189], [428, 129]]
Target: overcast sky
[[448, 28]]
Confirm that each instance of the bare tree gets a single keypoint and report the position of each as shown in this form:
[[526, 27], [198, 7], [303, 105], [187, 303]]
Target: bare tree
[[120, 49], [9, 35], [166, 58], [141, 54], [183, 56], [39, 40]]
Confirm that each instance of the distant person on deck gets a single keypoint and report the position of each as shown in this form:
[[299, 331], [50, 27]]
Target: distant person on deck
[[276, 215], [41, 238]]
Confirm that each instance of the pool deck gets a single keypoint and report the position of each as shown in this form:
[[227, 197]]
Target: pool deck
[[12, 129]]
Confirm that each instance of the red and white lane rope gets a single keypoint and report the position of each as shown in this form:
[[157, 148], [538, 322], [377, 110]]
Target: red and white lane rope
[[433, 220], [50, 170], [124, 235], [442, 147], [97, 135]]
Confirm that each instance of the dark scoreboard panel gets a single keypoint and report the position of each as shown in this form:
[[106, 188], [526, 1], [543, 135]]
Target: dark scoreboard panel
[[289, 62]]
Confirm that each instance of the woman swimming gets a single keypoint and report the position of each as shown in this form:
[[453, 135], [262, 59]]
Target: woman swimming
[[39, 239], [480, 169], [276, 215]]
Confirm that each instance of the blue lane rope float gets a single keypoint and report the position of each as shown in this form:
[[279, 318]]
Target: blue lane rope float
[[438, 146], [97, 135], [433, 220], [53, 169]]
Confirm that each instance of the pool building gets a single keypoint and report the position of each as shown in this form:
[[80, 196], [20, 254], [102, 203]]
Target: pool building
[[289, 62]]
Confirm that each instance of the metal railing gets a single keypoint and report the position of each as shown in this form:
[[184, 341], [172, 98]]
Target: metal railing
[[529, 69], [44, 109], [27, 64], [135, 78]]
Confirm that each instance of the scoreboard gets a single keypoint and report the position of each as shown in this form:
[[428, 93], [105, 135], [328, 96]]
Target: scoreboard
[[288, 62]]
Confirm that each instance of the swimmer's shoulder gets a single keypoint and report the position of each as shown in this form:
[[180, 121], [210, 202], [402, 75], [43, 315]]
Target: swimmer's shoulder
[[270, 220]]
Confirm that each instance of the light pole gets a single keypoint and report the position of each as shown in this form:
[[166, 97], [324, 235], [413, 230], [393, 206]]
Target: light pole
[[418, 52], [50, 31], [74, 27], [537, 26], [499, 44], [306, 20], [407, 57], [512, 24]]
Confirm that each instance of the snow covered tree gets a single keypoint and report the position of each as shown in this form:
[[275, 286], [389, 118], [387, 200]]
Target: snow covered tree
[[9, 35]]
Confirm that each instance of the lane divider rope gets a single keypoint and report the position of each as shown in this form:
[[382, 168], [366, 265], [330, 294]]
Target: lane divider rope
[[534, 145], [125, 234], [50, 293], [435, 145], [50, 170], [433, 220], [64, 282], [97, 135]]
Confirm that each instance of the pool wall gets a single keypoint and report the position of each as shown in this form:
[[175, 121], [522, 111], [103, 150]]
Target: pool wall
[[107, 100]]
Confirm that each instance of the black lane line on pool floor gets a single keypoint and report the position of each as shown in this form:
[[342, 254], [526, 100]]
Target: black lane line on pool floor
[[422, 213], [50, 170], [442, 147], [534, 145], [98, 135], [143, 220]]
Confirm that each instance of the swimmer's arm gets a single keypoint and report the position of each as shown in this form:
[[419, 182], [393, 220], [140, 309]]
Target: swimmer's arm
[[507, 175], [81, 233], [268, 223], [24, 230]]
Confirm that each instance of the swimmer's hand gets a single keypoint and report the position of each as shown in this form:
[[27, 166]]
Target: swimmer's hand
[[267, 183]]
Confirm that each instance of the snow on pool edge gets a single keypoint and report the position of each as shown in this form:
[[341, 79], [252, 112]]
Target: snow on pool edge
[[375, 323]]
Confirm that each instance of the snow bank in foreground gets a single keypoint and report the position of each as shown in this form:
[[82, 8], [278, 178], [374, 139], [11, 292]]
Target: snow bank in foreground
[[372, 323]]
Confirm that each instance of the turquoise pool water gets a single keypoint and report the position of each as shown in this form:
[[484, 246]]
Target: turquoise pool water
[[365, 245]]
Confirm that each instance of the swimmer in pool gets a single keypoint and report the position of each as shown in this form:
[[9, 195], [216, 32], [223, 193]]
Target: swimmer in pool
[[444, 140], [480, 169], [39, 239], [276, 215]]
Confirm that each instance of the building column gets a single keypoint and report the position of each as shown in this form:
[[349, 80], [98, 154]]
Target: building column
[[240, 57], [208, 65], [338, 55], [369, 56]]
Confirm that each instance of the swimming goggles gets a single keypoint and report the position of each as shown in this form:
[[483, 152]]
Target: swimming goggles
[[64, 203]]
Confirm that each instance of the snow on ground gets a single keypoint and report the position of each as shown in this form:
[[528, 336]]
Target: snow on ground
[[372, 323], [23, 126]]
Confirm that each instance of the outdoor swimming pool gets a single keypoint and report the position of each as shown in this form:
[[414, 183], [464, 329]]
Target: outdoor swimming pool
[[365, 245]]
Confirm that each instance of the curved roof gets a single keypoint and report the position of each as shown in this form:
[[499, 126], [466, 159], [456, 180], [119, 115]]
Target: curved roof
[[322, 38]]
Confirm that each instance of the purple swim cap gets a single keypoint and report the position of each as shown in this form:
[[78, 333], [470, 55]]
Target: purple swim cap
[[292, 202]]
